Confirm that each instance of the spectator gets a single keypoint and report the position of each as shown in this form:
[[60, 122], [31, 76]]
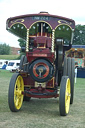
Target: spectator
[[5, 65]]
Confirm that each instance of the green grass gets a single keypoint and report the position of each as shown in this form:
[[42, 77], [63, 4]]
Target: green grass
[[41, 113], [9, 57]]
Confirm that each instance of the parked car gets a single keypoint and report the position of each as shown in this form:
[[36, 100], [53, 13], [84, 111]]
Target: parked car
[[13, 65]]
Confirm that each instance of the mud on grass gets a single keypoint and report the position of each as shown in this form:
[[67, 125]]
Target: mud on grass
[[41, 113]]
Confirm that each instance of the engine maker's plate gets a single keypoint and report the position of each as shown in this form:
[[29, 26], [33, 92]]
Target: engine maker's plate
[[43, 85]]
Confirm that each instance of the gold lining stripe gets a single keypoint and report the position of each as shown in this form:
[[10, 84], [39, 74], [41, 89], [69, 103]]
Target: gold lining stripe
[[63, 24], [40, 21], [19, 23], [27, 85], [52, 86]]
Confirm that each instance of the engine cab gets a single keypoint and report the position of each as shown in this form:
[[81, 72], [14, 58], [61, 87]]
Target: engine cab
[[47, 38], [44, 70]]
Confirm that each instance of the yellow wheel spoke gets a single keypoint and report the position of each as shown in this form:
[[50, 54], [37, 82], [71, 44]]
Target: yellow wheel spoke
[[67, 96], [19, 88], [17, 102]]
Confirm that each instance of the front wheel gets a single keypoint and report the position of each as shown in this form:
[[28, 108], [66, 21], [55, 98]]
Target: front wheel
[[64, 98], [15, 95]]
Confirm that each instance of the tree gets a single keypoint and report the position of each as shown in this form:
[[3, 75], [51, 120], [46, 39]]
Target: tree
[[79, 35], [4, 49], [22, 43]]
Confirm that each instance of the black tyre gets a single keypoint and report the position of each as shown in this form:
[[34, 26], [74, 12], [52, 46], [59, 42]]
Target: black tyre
[[72, 79], [69, 67], [23, 65], [15, 96], [64, 97], [21, 62], [65, 67], [26, 65], [70, 73]]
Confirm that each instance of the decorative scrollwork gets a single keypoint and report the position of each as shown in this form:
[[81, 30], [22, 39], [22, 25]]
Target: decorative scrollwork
[[17, 21], [63, 21]]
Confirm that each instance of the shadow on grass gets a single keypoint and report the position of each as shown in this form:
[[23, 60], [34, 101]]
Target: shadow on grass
[[43, 107]]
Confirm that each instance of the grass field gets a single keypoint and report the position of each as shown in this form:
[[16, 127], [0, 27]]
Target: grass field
[[9, 57], [41, 113]]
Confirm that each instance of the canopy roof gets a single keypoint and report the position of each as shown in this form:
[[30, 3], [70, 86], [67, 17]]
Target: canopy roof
[[18, 25]]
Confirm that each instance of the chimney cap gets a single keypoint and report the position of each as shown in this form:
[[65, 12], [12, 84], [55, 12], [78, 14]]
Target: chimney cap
[[43, 12]]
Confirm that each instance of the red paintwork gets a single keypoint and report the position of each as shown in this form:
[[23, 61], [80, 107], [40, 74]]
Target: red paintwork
[[27, 21], [29, 82], [41, 91], [53, 20], [36, 54], [37, 96], [41, 52]]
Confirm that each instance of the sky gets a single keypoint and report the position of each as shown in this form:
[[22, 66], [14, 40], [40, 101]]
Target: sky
[[73, 9]]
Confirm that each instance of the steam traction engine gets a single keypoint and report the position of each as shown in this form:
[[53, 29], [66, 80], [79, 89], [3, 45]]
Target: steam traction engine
[[44, 71]]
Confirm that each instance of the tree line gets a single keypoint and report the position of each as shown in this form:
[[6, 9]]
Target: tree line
[[79, 39], [79, 35], [4, 49]]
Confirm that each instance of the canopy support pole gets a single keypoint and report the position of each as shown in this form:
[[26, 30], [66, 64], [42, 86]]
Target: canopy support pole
[[72, 36], [52, 47], [27, 42]]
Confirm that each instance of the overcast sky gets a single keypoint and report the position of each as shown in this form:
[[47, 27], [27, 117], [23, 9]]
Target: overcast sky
[[73, 9]]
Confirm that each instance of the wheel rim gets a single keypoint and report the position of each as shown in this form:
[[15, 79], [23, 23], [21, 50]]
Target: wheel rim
[[67, 96], [18, 96]]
